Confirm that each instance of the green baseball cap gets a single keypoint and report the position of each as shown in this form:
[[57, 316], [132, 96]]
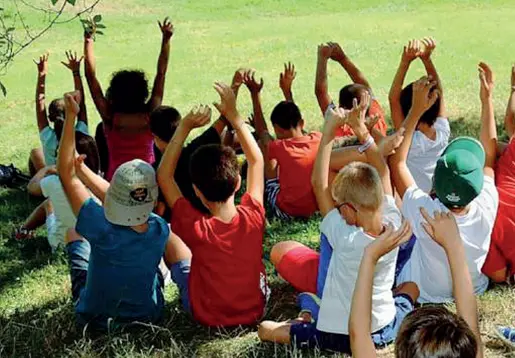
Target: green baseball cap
[[459, 177]]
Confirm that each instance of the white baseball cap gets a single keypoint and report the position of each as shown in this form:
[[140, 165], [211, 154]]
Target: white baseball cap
[[132, 195]]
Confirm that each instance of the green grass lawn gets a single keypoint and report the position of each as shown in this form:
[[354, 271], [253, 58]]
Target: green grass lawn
[[213, 38]]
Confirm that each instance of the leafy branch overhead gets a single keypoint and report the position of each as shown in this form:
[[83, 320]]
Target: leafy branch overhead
[[20, 24]]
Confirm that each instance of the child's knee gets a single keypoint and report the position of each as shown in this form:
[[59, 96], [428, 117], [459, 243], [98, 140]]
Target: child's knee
[[410, 289], [266, 330], [72, 236], [280, 249]]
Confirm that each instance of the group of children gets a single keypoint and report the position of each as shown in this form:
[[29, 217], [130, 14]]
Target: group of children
[[407, 217]]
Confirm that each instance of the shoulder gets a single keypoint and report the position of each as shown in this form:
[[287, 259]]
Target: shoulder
[[251, 207], [415, 198], [47, 134], [391, 212], [158, 224], [82, 127]]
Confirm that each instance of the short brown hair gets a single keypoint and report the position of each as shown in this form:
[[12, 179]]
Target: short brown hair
[[358, 184], [434, 331]]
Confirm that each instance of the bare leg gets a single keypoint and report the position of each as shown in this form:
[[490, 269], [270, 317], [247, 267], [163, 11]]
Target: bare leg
[[176, 250], [408, 288], [282, 248], [71, 236], [278, 332], [37, 217], [36, 161]]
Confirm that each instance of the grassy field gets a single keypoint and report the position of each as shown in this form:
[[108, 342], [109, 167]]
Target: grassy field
[[213, 38]]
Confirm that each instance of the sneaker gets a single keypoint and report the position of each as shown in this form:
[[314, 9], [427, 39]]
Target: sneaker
[[309, 303], [21, 234], [507, 335]]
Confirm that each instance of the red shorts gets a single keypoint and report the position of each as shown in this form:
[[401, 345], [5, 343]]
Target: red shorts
[[299, 267]]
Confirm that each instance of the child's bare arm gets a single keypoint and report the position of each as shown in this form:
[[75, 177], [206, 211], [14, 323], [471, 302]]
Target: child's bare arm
[[75, 190], [91, 78], [444, 231], [409, 53], [488, 129], [197, 118], [509, 119], [352, 70], [286, 79], [425, 55], [256, 166], [255, 88], [321, 87], [93, 181], [41, 115], [34, 185], [423, 99], [320, 176], [360, 315], [162, 64], [73, 65]]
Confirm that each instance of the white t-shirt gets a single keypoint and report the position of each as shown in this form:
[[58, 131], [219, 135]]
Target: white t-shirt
[[65, 219], [424, 153], [348, 243], [428, 266]]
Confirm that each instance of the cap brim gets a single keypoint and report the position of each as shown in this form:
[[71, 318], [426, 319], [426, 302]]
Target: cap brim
[[118, 214], [471, 145]]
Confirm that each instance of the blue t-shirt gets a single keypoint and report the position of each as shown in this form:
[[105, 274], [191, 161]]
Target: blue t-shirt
[[50, 143], [122, 280]]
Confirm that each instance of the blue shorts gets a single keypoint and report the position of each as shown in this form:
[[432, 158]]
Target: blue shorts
[[272, 189], [180, 273], [305, 335], [78, 258]]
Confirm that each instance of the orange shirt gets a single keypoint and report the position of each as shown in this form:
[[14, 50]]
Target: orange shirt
[[375, 109], [295, 159]]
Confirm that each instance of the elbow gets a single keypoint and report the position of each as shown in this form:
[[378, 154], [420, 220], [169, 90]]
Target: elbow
[[319, 90]]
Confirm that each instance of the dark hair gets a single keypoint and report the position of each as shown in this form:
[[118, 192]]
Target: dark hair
[[85, 144], [164, 121], [214, 170], [286, 115], [349, 92], [434, 331], [56, 110], [128, 92], [429, 117]]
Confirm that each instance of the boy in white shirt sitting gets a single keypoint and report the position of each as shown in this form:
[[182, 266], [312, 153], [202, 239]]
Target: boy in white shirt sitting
[[364, 208], [464, 185]]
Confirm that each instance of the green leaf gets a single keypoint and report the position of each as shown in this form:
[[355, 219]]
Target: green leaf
[[54, 2], [99, 32], [101, 26], [97, 18], [10, 29], [84, 21], [71, 2], [3, 89]]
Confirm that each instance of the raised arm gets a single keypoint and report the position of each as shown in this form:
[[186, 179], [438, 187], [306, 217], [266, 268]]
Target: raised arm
[[162, 64], [429, 45], [409, 53], [509, 119], [34, 185], [75, 190], [91, 78], [41, 115], [93, 181], [488, 129], [423, 99], [256, 166], [197, 118], [286, 79], [320, 177], [354, 73], [360, 318], [321, 87], [73, 65], [444, 231], [255, 88]]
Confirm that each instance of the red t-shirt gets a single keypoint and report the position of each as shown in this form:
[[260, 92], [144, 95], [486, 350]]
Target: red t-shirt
[[375, 108], [227, 278], [124, 147], [295, 159]]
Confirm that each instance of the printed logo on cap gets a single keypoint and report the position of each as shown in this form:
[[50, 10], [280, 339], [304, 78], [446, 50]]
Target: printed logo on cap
[[453, 198], [139, 194]]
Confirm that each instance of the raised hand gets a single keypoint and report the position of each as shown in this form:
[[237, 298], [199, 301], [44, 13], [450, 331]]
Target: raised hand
[[166, 28], [237, 79], [513, 77], [227, 105], [325, 51], [72, 102], [389, 240], [336, 118], [73, 63], [389, 144], [425, 94], [411, 51], [357, 115], [486, 79], [286, 78], [429, 45], [249, 78], [197, 117], [337, 53], [443, 228], [42, 64]]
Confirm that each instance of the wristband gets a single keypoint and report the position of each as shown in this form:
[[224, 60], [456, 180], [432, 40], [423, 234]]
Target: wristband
[[366, 145]]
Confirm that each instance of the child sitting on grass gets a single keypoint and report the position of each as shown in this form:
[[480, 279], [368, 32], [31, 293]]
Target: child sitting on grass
[[217, 262], [289, 159], [429, 331], [463, 185], [125, 109], [115, 249], [432, 131], [357, 210], [348, 93]]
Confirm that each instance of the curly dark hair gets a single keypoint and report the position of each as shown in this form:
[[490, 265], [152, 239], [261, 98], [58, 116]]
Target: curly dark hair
[[128, 92]]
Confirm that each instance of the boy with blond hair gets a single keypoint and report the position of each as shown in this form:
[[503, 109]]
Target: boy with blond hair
[[357, 209]]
